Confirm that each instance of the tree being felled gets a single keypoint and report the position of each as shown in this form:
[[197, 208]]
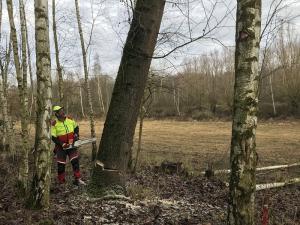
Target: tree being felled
[[115, 147]]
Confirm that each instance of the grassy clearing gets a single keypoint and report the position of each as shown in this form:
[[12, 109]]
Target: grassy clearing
[[197, 143]]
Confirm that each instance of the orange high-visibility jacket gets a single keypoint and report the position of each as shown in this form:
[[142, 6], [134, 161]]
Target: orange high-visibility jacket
[[63, 131]]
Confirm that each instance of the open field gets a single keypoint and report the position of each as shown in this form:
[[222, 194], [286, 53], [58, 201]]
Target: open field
[[197, 143]]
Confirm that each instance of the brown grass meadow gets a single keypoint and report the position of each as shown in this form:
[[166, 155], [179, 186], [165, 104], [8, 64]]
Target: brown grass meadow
[[197, 143]]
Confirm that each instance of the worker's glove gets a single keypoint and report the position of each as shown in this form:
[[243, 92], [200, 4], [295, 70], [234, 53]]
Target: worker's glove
[[76, 137], [65, 145]]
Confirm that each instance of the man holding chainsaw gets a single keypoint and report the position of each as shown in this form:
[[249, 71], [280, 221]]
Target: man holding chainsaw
[[65, 132]]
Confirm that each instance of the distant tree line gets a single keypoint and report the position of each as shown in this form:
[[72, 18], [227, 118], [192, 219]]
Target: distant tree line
[[202, 90]]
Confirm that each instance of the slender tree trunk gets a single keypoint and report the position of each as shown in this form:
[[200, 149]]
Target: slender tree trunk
[[117, 138], [22, 87], [32, 102], [108, 97], [29, 66], [272, 95], [81, 101], [100, 96], [86, 78], [176, 102], [58, 66], [214, 95], [243, 156], [2, 121], [2, 125], [7, 59], [40, 192], [24, 168], [139, 148]]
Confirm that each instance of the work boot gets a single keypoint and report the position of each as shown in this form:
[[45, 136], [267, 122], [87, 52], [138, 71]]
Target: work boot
[[79, 182]]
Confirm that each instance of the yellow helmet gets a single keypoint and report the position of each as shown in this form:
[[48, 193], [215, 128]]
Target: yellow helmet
[[56, 108]]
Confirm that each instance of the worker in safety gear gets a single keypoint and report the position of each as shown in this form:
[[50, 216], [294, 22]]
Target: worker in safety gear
[[64, 132]]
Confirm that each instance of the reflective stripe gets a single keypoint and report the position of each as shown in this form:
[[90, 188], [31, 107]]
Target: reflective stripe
[[74, 157]]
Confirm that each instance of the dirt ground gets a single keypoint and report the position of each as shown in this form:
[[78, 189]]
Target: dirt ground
[[158, 198]]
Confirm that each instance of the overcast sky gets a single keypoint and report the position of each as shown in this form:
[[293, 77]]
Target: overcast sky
[[111, 27]]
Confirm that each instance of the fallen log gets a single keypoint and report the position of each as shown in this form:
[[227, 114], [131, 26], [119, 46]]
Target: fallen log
[[277, 167], [225, 171], [274, 185], [277, 184]]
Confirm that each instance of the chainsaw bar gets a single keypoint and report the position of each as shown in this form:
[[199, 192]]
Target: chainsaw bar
[[81, 142]]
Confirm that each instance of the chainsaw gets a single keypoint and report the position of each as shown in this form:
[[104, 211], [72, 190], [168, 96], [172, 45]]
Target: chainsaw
[[79, 143]]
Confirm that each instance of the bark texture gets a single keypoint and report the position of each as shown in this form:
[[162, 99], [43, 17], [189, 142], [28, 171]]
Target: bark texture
[[117, 138], [21, 72], [86, 79], [39, 196], [243, 156], [23, 167]]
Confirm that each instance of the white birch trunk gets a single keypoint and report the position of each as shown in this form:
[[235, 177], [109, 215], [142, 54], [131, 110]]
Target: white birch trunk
[[40, 192], [22, 87], [243, 156]]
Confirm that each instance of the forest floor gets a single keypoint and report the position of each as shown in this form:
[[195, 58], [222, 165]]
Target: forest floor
[[160, 198]]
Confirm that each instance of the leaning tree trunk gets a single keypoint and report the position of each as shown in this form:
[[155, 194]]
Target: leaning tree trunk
[[40, 191], [86, 79], [58, 66], [22, 87], [243, 156], [117, 138]]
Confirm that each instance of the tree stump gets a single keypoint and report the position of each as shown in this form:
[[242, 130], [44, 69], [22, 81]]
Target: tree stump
[[106, 181]]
